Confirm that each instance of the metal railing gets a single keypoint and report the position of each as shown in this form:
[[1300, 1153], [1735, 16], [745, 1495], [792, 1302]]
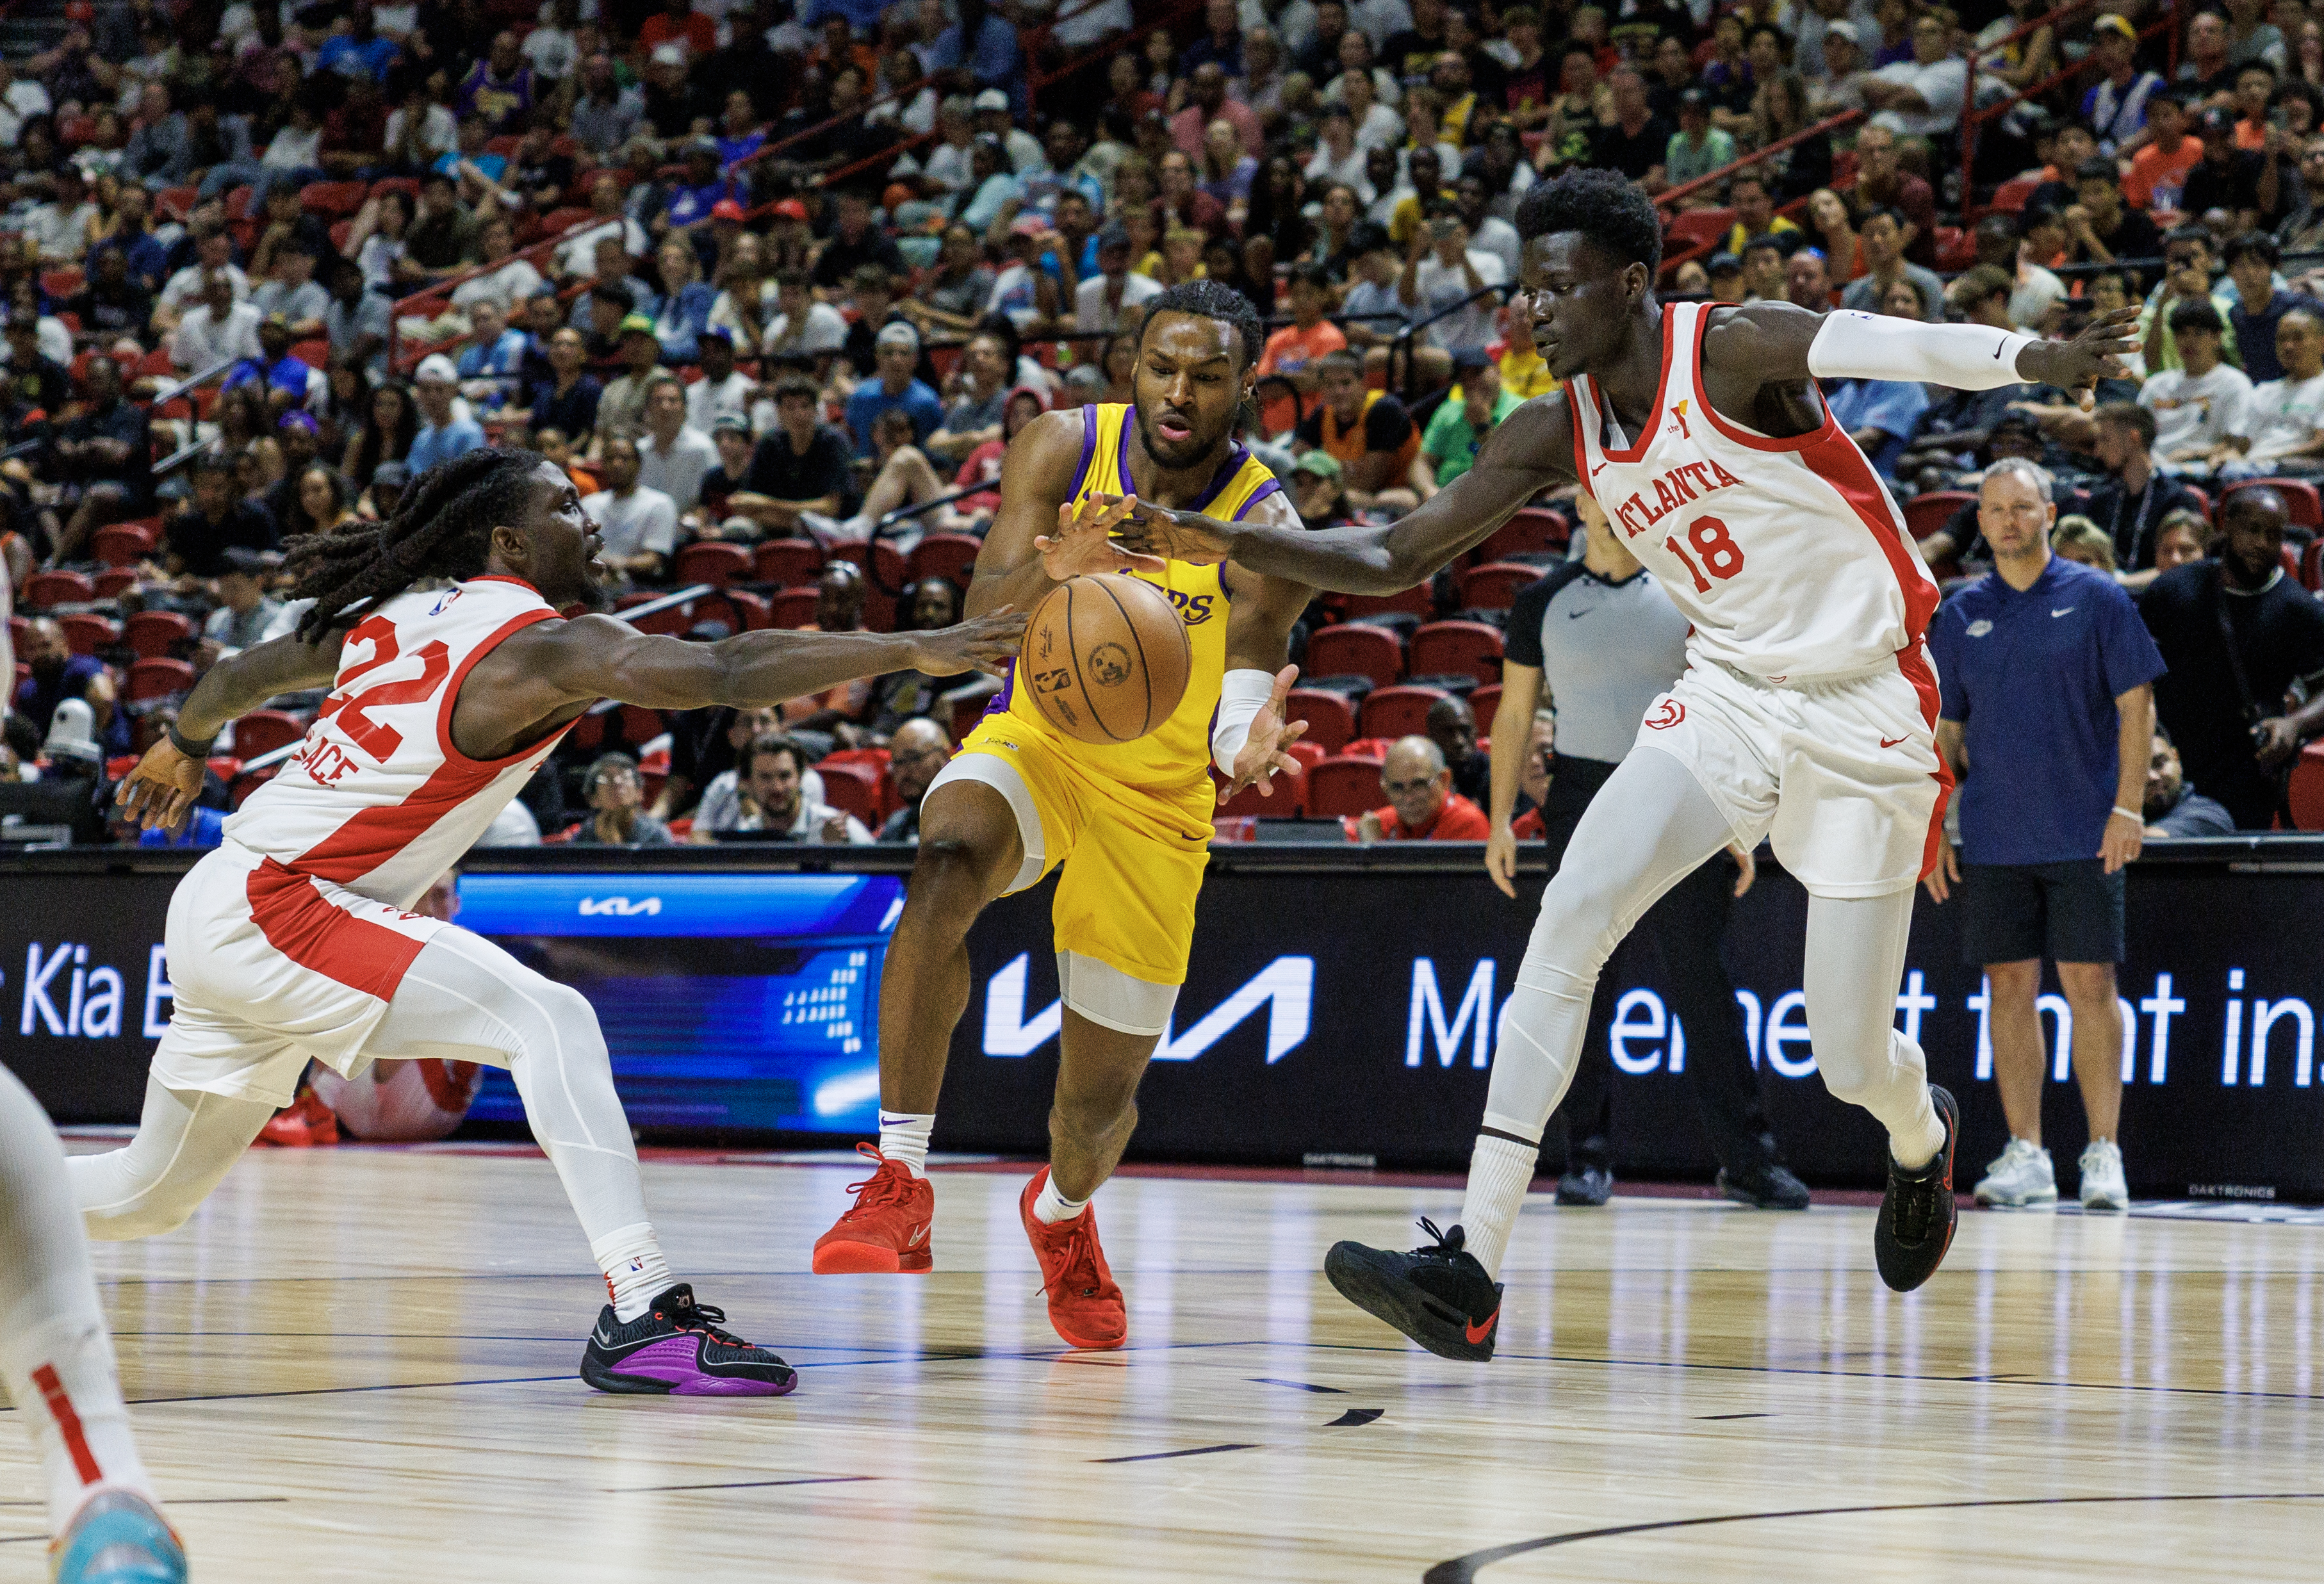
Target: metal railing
[[1829, 124], [1403, 342], [1974, 116]]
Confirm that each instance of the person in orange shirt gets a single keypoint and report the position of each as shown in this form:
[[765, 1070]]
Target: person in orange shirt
[[1293, 350], [1422, 805], [2158, 170], [1369, 432]]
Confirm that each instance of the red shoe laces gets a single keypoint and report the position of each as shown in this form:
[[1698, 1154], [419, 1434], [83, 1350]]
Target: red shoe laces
[[883, 1187], [1080, 1261]]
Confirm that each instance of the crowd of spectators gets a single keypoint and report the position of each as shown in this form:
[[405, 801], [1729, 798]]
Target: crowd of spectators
[[761, 278]]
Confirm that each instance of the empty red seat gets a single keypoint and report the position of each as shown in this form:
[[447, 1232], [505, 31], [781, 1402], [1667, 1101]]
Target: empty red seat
[[262, 732], [151, 633], [1285, 797], [2015, 195], [1924, 514], [1457, 649], [792, 608], [641, 725], [854, 789], [333, 200], [714, 562], [45, 591], [86, 633], [2306, 794], [2300, 501], [1351, 650], [1331, 719], [1495, 585], [116, 581], [750, 608], [1418, 599], [158, 679], [1339, 788], [1399, 712], [1484, 703], [122, 543], [1531, 532], [943, 554], [314, 353], [788, 563], [1695, 227], [250, 781], [2311, 565]]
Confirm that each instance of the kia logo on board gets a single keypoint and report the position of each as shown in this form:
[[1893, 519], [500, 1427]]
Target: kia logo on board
[[619, 907]]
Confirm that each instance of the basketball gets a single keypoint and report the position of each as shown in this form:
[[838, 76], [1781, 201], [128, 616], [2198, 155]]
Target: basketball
[[1106, 657]]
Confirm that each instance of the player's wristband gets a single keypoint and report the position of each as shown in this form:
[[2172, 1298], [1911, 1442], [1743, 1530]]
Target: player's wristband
[[1850, 345], [1240, 696], [2130, 814], [191, 750]]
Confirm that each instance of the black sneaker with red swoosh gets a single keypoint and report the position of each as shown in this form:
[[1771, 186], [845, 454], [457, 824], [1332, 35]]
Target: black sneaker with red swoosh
[[1439, 1296]]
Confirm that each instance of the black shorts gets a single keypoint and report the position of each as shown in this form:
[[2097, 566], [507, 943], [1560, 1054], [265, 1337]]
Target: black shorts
[[2069, 912]]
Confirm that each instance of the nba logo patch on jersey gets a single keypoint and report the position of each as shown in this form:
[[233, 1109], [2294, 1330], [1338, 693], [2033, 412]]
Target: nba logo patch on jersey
[[444, 603]]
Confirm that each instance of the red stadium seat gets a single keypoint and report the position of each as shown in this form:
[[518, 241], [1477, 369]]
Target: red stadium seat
[[409, 186], [1483, 703], [2300, 501], [1339, 788], [1331, 719], [62, 281], [713, 562], [1399, 712], [943, 554], [751, 608], [874, 760], [2202, 499], [334, 200], [2311, 567], [2014, 195], [883, 569], [1495, 585], [641, 725], [1531, 532], [44, 591], [853, 787], [314, 353], [177, 202], [788, 563], [792, 608], [116, 581], [262, 732], [1349, 650], [1924, 514], [2306, 794], [1457, 649], [1285, 799], [86, 633], [967, 712], [122, 543], [159, 679], [1307, 753], [1416, 599], [1374, 749], [250, 781], [1695, 227]]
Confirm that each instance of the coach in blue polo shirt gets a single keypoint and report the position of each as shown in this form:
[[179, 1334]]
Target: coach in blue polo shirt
[[2047, 720]]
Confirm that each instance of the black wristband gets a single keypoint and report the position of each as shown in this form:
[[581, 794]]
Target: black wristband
[[191, 750]]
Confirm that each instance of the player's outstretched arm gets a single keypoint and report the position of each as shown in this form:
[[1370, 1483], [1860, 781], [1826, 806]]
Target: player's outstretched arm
[[598, 656], [1532, 450], [1777, 344], [162, 789]]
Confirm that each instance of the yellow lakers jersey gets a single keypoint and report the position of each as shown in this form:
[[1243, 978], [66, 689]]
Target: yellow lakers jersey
[[1175, 752]]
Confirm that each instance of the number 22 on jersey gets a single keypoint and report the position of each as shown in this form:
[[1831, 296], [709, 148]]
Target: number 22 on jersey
[[375, 737]]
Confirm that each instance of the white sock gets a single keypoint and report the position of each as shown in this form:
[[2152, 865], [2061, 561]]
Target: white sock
[[1501, 1170], [904, 1137], [636, 1273], [1050, 1207], [70, 1397]]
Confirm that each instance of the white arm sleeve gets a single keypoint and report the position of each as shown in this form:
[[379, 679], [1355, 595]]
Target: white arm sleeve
[[1852, 346], [1241, 694]]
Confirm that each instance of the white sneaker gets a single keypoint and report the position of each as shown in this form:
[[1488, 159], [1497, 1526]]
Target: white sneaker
[[2103, 1186], [2020, 1174]]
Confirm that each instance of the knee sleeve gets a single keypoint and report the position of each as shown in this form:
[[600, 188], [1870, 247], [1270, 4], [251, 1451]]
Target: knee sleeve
[[1107, 995]]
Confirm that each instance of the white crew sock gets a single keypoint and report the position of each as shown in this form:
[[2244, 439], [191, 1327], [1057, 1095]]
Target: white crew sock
[[1050, 1207], [904, 1137], [1501, 1170], [636, 1273], [71, 1400]]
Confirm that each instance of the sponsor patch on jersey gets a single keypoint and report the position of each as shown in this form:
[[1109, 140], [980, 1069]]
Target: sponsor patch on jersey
[[1979, 628]]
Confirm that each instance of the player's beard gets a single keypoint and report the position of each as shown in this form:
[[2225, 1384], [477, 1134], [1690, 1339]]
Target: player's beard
[[1185, 453]]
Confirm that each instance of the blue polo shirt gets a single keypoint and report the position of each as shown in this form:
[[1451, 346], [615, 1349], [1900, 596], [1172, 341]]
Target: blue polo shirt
[[2032, 677], [871, 398]]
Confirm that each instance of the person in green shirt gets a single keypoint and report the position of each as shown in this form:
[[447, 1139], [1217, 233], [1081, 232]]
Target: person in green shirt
[[1462, 421], [1697, 148]]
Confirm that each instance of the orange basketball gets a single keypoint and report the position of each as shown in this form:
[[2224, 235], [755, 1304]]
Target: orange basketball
[[1105, 658]]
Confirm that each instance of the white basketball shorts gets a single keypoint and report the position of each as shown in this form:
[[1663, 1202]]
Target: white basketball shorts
[[269, 967], [1841, 774]]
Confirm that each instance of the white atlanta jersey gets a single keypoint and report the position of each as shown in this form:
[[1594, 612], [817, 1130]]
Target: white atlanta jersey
[[291, 938], [1788, 556]]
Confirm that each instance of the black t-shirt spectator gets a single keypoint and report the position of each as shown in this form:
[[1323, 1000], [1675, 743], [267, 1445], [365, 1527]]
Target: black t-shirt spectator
[[116, 310], [1632, 156], [200, 545], [2280, 635], [784, 474], [841, 258], [2256, 332], [125, 423], [40, 384], [716, 487], [2232, 186], [699, 752], [671, 111], [573, 414], [2133, 516], [555, 171], [2135, 238]]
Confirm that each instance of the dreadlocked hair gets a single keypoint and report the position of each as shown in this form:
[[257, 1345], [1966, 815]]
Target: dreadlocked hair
[[442, 528]]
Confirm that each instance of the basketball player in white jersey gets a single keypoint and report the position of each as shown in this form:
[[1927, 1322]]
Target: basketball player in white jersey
[[1806, 714], [294, 938]]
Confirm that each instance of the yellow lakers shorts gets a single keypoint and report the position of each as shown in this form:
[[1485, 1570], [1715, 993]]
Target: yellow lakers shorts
[[1133, 856]]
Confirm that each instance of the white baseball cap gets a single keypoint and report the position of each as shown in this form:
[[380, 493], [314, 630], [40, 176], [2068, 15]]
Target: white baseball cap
[[993, 100], [436, 367]]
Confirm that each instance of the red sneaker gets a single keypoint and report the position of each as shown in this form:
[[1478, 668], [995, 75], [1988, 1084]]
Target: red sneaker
[[1084, 1300], [887, 1229], [303, 1124]]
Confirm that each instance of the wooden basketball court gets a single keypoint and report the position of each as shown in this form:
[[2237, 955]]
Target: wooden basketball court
[[358, 1365]]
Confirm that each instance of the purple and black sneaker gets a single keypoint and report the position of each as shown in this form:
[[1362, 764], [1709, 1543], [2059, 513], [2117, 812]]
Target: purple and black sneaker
[[675, 1349]]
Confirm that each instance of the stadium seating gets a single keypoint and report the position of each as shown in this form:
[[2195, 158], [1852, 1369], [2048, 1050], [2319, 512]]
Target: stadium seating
[[1464, 648], [151, 634], [1399, 712], [1355, 651], [262, 732], [1340, 788], [714, 562], [788, 563], [1331, 719]]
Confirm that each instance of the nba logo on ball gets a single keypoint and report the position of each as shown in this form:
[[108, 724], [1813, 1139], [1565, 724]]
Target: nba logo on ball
[[1122, 657]]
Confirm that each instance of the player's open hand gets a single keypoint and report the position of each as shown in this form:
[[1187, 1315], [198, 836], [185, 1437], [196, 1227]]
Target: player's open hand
[[2125, 838], [1177, 536], [1944, 874], [2094, 355], [978, 644], [1262, 755], [1083, 542], [160, 791], [1501, 858]]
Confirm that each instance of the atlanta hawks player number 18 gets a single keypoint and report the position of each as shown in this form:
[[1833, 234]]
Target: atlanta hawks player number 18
[[1806, 713], [296, 938]]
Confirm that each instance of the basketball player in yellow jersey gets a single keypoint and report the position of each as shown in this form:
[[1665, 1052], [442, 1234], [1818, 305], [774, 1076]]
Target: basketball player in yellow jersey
[[1129, 822]]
